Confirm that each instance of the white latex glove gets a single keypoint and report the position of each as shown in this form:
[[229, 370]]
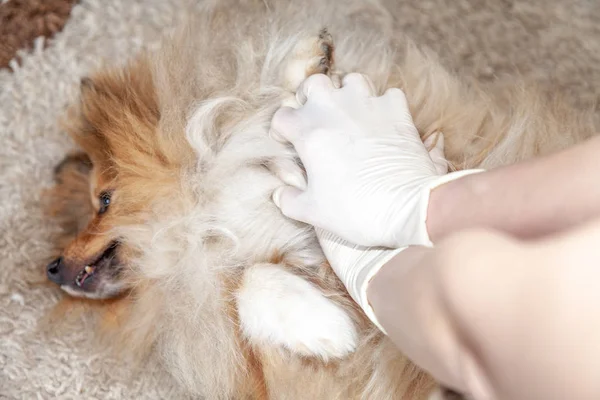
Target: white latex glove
[[369, 175]]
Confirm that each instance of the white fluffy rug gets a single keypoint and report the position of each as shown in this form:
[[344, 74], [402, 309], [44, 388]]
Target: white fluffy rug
[[555, 43]]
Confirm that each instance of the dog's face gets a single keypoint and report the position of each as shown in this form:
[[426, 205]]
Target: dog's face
[[126, 166], [85, 199]]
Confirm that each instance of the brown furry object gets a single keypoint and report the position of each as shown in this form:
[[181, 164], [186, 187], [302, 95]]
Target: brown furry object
[[21, 21], [68, 202]]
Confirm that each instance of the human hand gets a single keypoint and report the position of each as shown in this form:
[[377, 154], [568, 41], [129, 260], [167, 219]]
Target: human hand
[[369, 173]]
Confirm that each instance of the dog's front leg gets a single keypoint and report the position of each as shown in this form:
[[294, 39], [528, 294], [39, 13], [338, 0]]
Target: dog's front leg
[[310, 56], [279, 308]]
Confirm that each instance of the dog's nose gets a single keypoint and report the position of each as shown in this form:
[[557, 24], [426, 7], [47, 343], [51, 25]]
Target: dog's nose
[[53, 271]]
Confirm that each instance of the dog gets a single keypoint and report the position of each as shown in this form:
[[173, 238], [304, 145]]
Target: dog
[[167, 203]]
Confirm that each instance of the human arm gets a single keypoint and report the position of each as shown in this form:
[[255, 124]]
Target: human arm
[[528, 199], [372, 181], [497, 317], [360, 268]]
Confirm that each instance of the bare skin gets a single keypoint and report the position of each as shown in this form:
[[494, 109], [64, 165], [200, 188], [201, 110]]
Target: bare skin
[[526, 200], [497, 317], [509, 310]]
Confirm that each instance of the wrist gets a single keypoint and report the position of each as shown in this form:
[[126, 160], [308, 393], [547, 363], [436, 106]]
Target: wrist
[[442, 200], [375, 262], [355, 266]]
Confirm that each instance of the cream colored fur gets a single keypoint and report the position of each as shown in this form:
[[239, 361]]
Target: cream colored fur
[[277, 307], [218, 256]]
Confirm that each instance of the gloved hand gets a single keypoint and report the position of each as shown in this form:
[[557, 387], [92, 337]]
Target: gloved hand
[[369, 175]]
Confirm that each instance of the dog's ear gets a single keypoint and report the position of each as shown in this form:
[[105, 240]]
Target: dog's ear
[[68, 202], [80, 123], [78, 162], [119, 115], [86, 84]]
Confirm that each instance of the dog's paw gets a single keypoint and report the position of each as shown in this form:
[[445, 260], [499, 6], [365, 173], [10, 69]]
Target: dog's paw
[[314, 55], [277, 307], [322, 60]]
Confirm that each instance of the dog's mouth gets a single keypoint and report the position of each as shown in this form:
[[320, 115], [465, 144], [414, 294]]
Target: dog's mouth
[[89, 271]]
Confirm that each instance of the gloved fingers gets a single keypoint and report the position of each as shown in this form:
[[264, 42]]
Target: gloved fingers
[[336, 79], [291, 102], [285, 125], [358, 84], [397, 97], [435, 146], [290, 173], [293, 203], [314, 85]]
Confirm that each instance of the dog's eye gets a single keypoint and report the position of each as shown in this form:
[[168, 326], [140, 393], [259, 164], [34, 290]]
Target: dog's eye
[[104, 202]]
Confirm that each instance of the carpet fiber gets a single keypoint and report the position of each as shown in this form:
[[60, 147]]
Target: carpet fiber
[[553, 43], [25, 20]]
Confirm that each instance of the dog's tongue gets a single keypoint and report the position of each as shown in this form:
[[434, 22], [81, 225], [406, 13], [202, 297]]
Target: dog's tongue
[[84, 274]]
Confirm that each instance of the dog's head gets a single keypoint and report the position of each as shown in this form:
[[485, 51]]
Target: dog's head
[[128, 164], [89, 264]]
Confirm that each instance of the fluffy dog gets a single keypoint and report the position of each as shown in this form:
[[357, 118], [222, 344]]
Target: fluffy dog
[[172, 196]]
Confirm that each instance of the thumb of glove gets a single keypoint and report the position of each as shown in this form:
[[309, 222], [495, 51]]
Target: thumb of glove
[[293, 203]]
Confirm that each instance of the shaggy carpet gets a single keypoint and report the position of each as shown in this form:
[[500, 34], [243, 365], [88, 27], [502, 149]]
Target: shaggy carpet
[[553, 43], [25, 20]]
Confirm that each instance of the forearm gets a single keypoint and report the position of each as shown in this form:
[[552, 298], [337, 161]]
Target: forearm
[[408, 298], [528, 199], [490, 315]]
